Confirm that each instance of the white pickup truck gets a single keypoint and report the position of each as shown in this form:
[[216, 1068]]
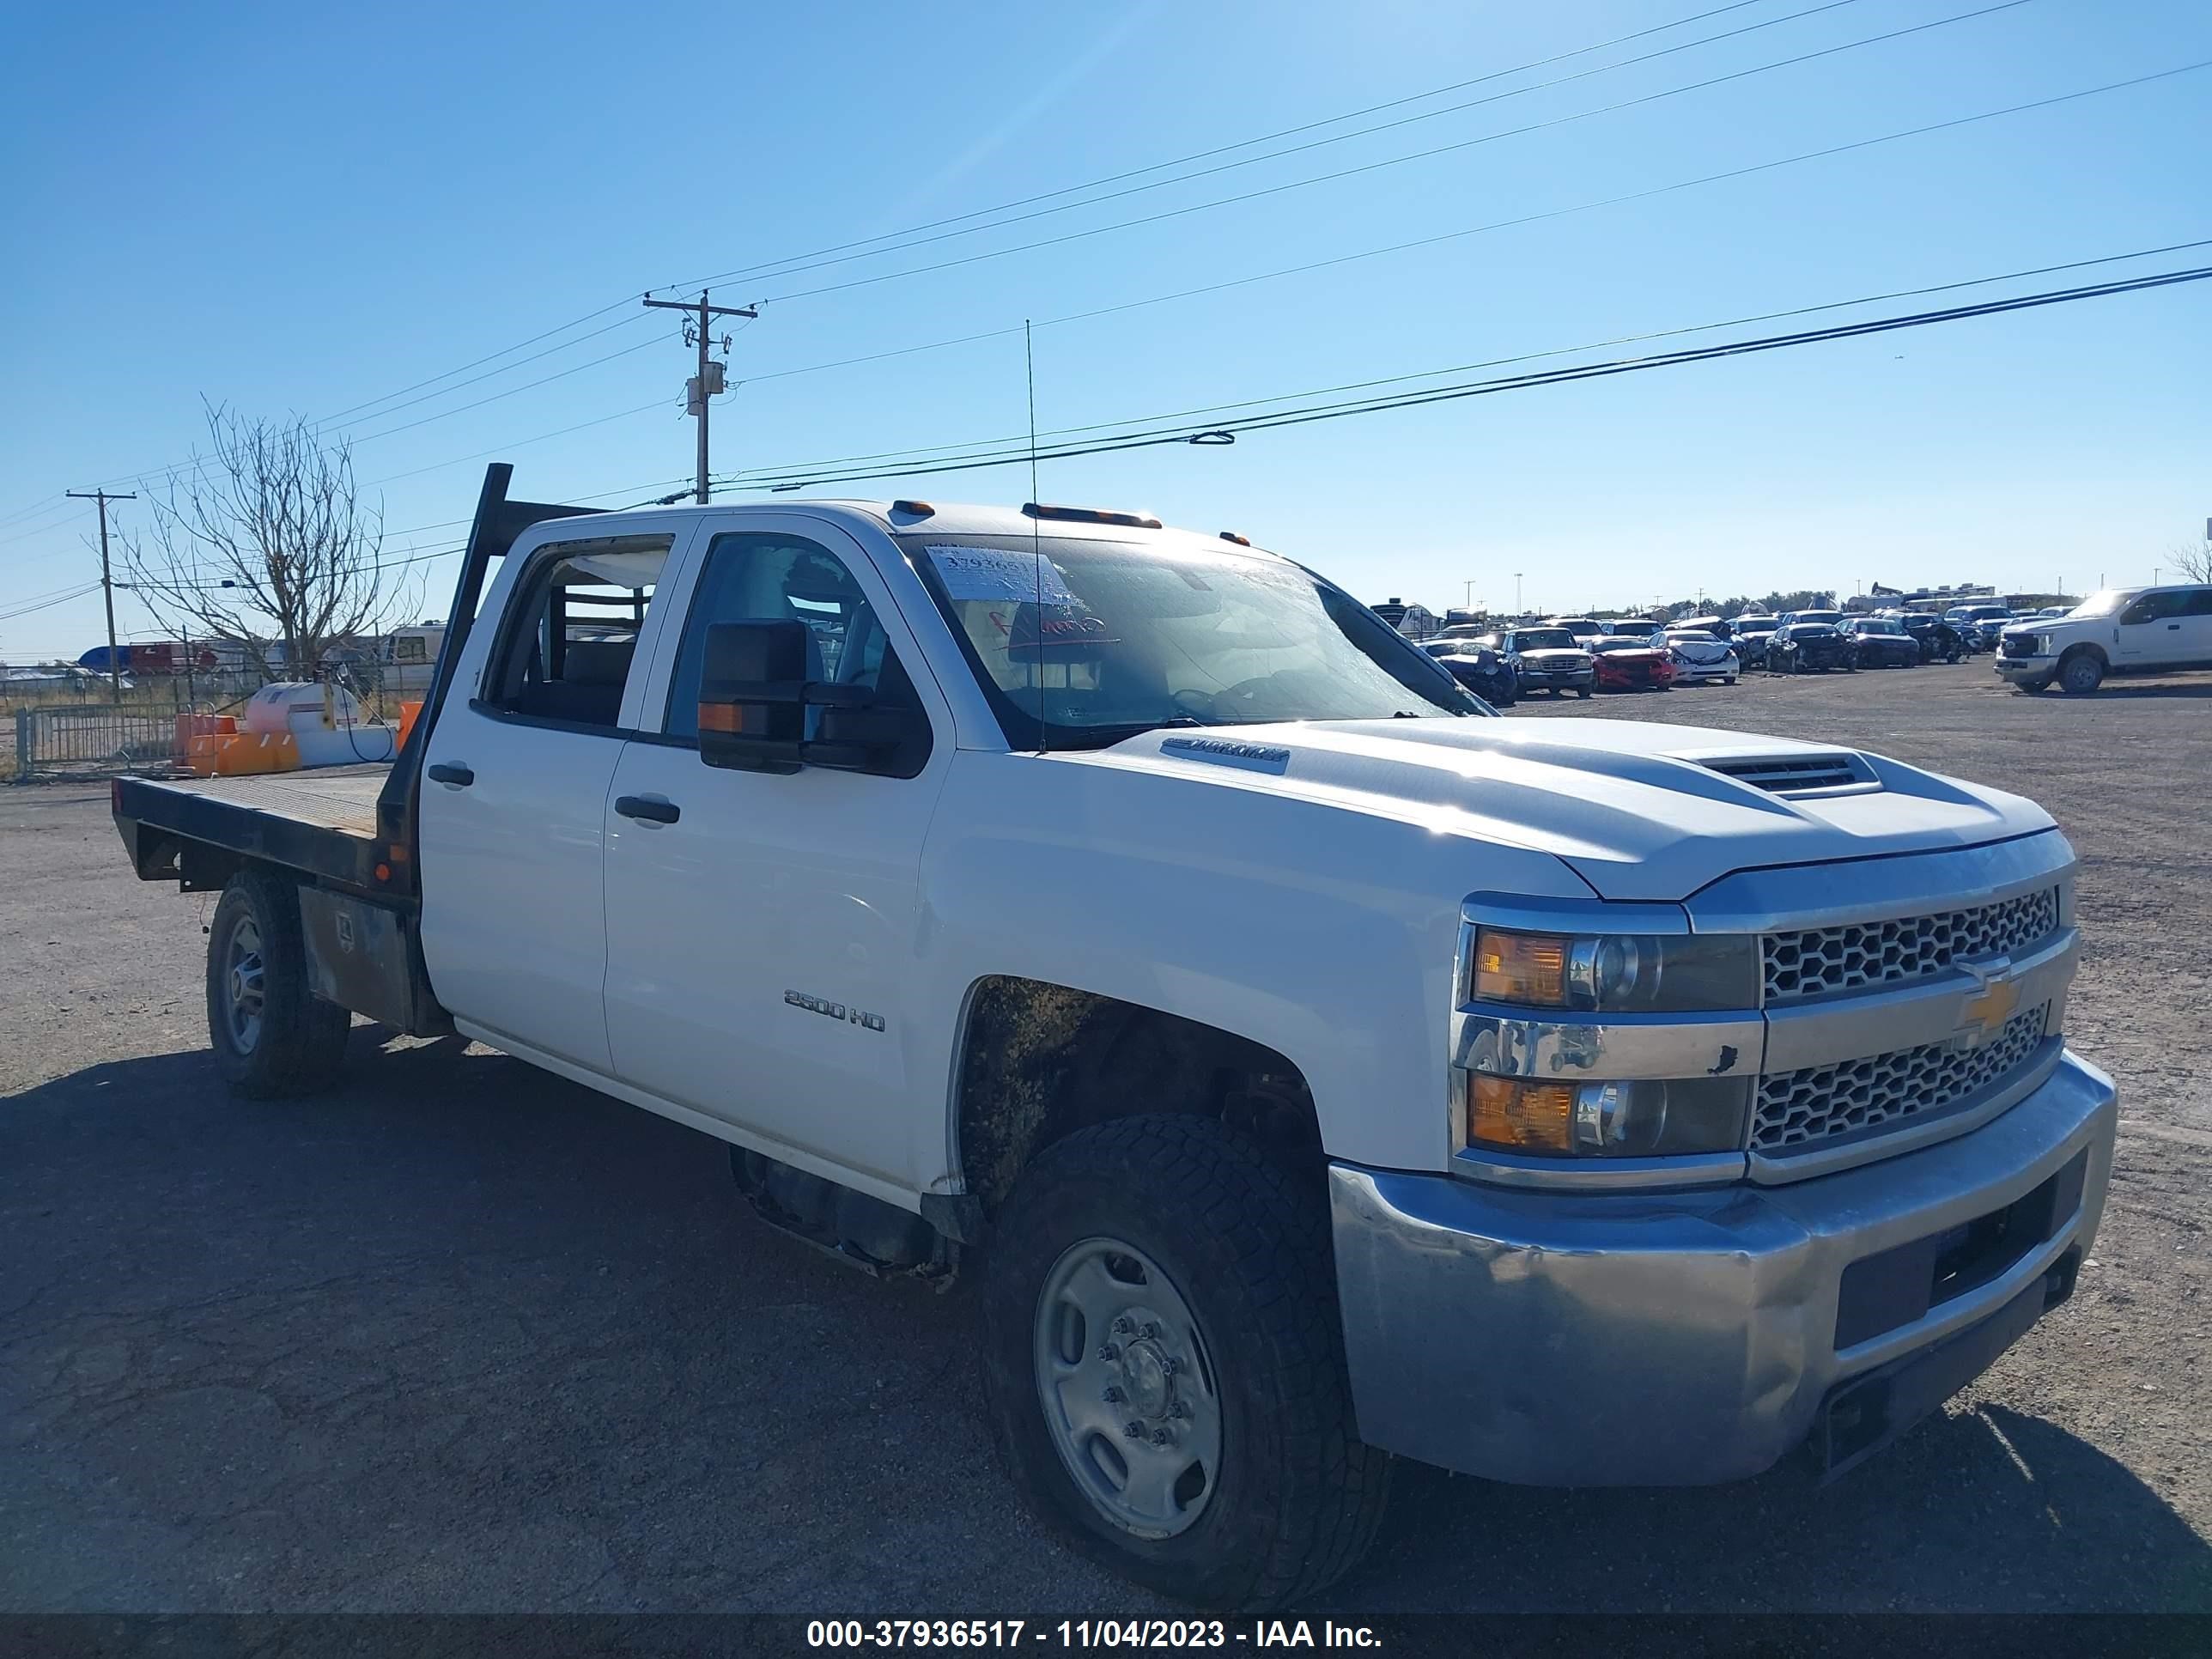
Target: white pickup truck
[[1312, 1068]]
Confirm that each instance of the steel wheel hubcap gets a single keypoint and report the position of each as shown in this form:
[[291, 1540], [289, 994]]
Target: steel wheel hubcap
[[243, 986], [1128, 1391]]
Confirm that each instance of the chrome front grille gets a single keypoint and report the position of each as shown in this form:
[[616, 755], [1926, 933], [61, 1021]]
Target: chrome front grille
[[1823, 961], [1820, 1101]]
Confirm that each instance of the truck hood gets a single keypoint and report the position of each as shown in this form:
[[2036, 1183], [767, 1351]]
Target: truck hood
[[1638, 811]]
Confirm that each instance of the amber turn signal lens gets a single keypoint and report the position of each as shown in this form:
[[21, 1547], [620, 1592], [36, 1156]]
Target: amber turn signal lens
[[1522, 1117], [1529, 968]]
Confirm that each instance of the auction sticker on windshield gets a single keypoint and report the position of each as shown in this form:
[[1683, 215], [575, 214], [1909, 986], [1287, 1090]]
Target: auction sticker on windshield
[[990, 572]]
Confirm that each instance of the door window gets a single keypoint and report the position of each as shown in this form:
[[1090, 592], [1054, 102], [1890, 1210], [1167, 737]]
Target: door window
[[571, 632], [754, 577], [2158, 607]]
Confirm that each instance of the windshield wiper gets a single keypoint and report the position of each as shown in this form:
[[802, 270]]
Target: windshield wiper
[[1104, 737]]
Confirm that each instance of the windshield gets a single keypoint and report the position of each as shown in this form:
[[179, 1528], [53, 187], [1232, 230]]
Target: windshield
[[1132, 636], [2109, 603], [1544, 638], [1880, 628]]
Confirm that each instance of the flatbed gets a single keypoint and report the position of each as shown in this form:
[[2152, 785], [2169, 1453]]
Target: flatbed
[[321, 823]]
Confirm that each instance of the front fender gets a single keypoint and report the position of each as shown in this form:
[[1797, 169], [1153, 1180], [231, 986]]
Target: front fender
[[1323, 931]]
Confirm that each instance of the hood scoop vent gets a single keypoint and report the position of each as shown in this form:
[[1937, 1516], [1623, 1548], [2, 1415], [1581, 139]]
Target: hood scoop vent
[[1794, 777]]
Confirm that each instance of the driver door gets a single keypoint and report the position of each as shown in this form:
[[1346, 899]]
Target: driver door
[[762, 929], [2152, 631]]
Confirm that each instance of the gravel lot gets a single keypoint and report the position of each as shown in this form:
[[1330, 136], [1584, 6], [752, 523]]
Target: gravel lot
[[460, 1336]]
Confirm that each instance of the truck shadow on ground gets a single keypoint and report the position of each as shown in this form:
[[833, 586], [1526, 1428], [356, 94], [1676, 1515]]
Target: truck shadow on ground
[[460, 1334]]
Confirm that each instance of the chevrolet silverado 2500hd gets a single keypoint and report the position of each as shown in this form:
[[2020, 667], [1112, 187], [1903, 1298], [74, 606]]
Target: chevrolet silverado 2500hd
[[1313, 1068]]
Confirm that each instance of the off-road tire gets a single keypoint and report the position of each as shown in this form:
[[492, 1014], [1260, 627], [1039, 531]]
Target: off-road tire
[[1245, 1238], [302, 1039], [2081, 674]]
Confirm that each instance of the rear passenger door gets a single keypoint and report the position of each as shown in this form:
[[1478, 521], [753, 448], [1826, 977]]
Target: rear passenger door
[[514, 793], [2196, 628]]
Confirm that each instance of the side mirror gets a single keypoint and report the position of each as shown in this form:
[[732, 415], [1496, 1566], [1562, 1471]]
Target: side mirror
[[753, 687], [754, 699]]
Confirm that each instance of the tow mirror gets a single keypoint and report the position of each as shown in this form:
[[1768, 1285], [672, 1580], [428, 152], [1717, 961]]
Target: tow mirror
[[753, 687], [758, 711]]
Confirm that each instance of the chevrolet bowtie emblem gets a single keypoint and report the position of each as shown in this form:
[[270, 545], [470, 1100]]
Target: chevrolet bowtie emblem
[[1986, 1012]]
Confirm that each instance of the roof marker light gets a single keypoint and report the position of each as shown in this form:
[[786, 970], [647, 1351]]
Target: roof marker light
[[1232, 536], [1091, 515]]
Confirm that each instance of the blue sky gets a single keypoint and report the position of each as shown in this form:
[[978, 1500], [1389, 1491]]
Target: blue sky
[[300, 209]]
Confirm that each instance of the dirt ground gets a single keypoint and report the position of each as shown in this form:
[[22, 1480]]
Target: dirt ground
[[460, 1336]]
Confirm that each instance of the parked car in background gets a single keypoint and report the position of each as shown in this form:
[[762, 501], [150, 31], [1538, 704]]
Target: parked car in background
[[1583, 627], [1719, 627], [1938, 640], [1978, 625], [1698, 657], [1752, 636], [2052, 611], [1545, 659], [2122, 631], [1631, 662], [1833, 618], [1485, 672], [1883, 642], [1815, 646]]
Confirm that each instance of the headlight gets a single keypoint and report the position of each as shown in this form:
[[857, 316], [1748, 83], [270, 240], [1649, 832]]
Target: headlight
[[1649, 1118], [1615, 973]]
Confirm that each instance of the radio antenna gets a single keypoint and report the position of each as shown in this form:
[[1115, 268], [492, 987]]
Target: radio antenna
[[1036, 541]]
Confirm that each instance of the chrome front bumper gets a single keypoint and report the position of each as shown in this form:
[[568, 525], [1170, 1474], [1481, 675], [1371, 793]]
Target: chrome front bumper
[[1678, 1337], [2026, 668]]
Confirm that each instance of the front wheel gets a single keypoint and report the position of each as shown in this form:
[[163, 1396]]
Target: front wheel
[[2081, 674], [1164, 1364], [272, 1036], [1581, 690]]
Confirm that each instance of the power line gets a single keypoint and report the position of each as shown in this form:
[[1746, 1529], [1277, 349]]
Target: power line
[[49, 604], [1305, 416], [563, 328], [170, 472], [1223, 149], [1389, 161], [1310, 266], [789, 469], [793, 267]]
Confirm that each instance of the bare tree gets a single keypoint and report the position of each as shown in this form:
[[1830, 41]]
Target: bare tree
[[264, 541], [2194, 561]]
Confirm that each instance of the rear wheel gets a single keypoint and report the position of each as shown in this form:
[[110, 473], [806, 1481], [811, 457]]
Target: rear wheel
[[1165, 1366], [2081, 674], [272, 1036]]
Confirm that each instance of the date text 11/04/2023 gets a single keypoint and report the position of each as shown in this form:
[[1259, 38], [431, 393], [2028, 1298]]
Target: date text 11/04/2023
[[1085, 1633]]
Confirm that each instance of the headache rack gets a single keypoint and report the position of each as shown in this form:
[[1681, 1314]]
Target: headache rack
[[348, 827]]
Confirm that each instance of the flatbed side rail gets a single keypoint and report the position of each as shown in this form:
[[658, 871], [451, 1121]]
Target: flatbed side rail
[[155, 820], [498, 521]]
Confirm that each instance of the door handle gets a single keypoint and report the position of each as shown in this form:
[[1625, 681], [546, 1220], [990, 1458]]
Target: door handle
[[652, 811], [452, 772]]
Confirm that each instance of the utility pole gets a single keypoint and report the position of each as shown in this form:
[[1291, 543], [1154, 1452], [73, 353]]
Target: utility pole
[[106, 581], [1517, 592], [697, 327]]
